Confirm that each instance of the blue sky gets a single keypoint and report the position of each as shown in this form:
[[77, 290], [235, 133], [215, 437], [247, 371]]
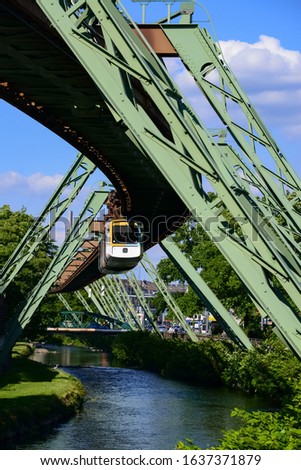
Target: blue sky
[[261, 40]]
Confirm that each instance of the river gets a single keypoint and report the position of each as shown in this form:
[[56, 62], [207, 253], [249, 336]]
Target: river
[[136, 410]]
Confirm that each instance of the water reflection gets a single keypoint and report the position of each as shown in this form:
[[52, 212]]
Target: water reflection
[[133, 409], [70, 356]]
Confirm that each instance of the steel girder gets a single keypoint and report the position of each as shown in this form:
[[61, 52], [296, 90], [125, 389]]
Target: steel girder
[[100, 307], [172, 304], [204, 292], [69, 248], [64, 301], [114, 299], [127, 301], [189, 153], [105, 299], [101, 314], [59, 202], [142, 301], [114, 292], [106, 294], [83, 301]]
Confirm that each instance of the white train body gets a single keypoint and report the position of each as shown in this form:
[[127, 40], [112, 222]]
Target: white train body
[[121, 247]]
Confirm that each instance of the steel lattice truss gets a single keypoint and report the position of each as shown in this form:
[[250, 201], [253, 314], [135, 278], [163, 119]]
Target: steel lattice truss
[[254, 184], [264, 249]]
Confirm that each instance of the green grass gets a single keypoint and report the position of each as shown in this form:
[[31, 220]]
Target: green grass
[[32, 395]]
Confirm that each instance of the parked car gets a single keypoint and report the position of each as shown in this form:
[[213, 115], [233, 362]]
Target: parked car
[[162, 328]]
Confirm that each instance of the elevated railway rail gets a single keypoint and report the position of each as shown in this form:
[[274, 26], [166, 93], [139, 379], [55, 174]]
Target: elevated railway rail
[[41, 77], [85, 70]]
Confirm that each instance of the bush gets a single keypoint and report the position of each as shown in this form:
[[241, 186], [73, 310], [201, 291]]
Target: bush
[[270, 370]]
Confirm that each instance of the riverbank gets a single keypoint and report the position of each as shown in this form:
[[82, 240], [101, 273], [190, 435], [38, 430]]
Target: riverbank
[[54, 396], [269, 371]]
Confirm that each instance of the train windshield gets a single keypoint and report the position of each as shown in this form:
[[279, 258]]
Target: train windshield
[[126, 233]]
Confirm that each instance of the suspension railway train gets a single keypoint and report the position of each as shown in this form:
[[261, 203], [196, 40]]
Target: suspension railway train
[[121, 246]]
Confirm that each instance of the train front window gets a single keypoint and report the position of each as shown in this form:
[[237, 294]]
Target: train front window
[[125, 234]]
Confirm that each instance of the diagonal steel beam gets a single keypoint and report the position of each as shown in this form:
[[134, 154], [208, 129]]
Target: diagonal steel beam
[[126, 299], [139, 294], [73, 241], [58, 203], [209, 299], [172, 304], [264, 254]]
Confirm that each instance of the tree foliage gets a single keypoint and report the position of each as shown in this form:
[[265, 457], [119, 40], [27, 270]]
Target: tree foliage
[[13, 227], [270, 371], [207, 259]]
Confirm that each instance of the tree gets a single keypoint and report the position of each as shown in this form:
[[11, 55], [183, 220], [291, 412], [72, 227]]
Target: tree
[[13, 226], [215, 270]]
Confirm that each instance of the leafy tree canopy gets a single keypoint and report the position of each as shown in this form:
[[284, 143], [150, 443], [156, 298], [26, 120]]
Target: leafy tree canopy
[[205, 256], [13, 226]]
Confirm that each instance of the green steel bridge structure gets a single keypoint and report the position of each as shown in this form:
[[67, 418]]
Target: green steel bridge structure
[[87, 71]]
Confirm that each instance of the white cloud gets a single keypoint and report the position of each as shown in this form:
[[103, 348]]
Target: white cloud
[[268, 73], [263, 64], [35, 184], [43, 183], [271, 77], [9, 180]]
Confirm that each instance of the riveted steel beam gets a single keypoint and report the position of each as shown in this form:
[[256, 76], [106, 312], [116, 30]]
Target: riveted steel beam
[[263, 252], [58, 203], [64, 301], [117, 298], [208, 298], [98, 290], [127, 301], [68, 249], [134, 284], [103, 296], [172, 304]]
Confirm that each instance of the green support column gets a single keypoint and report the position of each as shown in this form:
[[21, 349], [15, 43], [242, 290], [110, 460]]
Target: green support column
[[64, 301], [83, 301], [172, 304], [109, 298], [61, 260], [109, 306], [101, 312], [119, 298], [73, 181], [99, 306], [204, 292], [139, 294], [59, 202], [126, 299], [115, 295], [201, 56], [189, 153]]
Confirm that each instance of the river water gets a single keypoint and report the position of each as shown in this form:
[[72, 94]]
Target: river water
[[136, 410]]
